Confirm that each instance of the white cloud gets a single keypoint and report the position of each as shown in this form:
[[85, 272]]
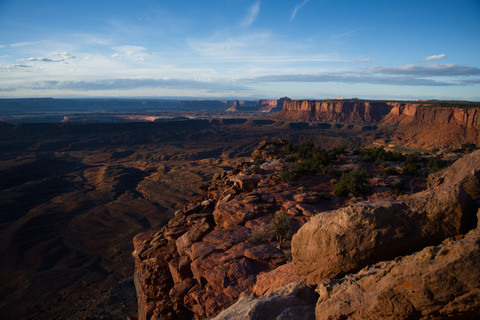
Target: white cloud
[[44, 60], [252, 14], [435, 57], [298, 7], [64, 55]]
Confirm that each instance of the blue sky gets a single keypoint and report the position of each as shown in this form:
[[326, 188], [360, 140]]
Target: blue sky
[[245, 49]]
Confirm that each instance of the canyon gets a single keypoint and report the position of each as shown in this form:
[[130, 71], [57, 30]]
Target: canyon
[[199, 197]]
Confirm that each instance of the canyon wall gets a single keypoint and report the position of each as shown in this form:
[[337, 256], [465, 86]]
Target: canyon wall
[[393, 113], [416, 124]]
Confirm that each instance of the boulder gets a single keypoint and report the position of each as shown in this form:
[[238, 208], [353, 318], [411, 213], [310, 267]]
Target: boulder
[[245, 182], [435, 283], [293, 301], [272, 280], [335, 243]]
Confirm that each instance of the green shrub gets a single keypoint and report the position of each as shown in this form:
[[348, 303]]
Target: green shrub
[[306, 150], [306, 167], [290, 158], [289, 148], [375, 154], [288, 175], [468, 146], [391, 171], [353, 183], [410, 169], [435, 165], [281, 227], [321, 158]]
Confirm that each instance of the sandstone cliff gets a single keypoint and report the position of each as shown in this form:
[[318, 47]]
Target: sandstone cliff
[[416, 124]]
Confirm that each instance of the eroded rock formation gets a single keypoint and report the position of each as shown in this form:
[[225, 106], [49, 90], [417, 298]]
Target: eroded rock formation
[[215, 254]]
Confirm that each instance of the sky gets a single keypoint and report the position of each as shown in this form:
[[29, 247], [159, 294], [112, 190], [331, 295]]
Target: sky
[[245, 49]]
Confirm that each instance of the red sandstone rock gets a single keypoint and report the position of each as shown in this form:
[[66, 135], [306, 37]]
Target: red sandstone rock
[[334, 243], [272, 280], [439, 282]]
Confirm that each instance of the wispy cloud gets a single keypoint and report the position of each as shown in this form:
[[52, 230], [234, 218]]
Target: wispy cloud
[[353, 78], [298, 7], [429, 71], [435, 57], [15, 67], [64, 55], [48, 60], [131, 84], [408, 75], [252, 14]]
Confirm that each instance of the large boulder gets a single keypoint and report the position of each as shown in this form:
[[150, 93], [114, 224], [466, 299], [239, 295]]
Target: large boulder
[[335, 243], [436, 283], [293, 301]]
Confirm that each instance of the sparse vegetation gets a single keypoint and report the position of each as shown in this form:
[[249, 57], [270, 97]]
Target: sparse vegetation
[[468, 146], [375, 154], [281, 227], [391, 171], [353, 183]]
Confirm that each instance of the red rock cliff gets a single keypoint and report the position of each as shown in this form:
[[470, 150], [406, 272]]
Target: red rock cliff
[[359, 111], [347, 111]]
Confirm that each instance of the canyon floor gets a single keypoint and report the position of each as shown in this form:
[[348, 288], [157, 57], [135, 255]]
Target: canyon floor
[[73, 195]]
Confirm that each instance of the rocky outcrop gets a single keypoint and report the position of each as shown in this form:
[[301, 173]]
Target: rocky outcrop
[[293, 301], [344, 111], [272, 106], [437, 282], [221, 254], [335, 243]]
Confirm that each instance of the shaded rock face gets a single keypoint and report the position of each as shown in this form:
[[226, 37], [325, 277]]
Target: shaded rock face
[[293, 301], [335, 243], [436, 283]]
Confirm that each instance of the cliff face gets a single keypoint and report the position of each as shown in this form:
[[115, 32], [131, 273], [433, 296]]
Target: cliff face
[[422, 125], [272, 105], [432, 115], [347, 111], [356, 111]]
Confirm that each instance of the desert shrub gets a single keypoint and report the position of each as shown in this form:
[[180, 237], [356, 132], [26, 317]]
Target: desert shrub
[[281, 227], [435, 165], [321, 158], [353, 183], [290, 158], [390, 171], [288, 175], [410, 169], [306, 150], [339, 150], [468, 146], [289, 148], [397, 191], [376, 154], [306, 167], [257, 161], [258, 236], [435, 150]]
